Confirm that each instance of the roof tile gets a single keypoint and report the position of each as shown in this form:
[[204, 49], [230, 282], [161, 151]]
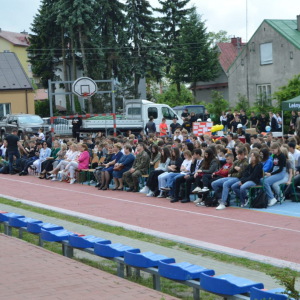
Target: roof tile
[[16, 38]]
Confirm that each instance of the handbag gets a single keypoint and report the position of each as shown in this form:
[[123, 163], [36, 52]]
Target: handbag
[[119, 168]]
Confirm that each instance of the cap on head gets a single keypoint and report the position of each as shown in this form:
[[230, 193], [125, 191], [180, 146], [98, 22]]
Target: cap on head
[[240, 126]]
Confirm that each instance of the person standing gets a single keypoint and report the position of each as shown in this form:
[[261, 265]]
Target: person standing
[[244, 119], [263, 121], [293, 122], [185, 114], [163, 127], [206, 116], [223, 121], [77, 122], [12, 144], [253, 120], [150, 126], [174, 125], [230, 118]]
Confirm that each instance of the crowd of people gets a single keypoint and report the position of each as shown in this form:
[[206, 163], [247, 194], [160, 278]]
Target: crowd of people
[[176, 164]]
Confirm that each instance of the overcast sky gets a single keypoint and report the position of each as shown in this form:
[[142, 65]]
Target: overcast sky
[[229, 15]]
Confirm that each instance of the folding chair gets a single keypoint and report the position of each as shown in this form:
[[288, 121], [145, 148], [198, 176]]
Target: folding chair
[[255, 188]]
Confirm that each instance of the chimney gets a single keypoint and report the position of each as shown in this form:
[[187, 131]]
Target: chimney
[[235, 41], [24, 32], [298, 22]]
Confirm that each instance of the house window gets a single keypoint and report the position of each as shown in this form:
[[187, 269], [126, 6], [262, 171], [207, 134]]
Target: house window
[[264, 94], [266, 54], [4, 109]]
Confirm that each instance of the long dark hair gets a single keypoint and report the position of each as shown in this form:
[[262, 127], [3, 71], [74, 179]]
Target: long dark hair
[[266, 154], [207, 160], [166, 154], [154, 154], [177, 153], [190, 146]]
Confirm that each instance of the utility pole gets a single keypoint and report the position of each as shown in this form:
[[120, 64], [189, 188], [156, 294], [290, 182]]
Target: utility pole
[[246, 21]]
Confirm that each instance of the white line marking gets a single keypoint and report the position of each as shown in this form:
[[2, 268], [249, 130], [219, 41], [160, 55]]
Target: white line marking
[[179, 239], [158, 206]]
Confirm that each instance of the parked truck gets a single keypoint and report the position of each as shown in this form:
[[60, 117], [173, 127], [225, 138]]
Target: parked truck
[[25, 123], [134, 117]]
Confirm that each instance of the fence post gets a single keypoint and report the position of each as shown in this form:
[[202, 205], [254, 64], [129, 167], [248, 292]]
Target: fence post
[[120, 270], [67, 251], [196, 294]]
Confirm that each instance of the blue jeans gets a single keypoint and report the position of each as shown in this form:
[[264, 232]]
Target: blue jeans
[[241, 191], [226, 183], [171, 181], [276, 185], [271, 180], [11, 155]]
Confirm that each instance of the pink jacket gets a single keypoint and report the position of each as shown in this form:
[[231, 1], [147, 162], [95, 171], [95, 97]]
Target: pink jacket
[[84, 160]]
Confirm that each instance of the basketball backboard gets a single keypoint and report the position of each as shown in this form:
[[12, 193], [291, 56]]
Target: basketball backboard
[[84, 87]]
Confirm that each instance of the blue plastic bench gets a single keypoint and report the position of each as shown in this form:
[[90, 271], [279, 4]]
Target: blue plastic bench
[[36, 228], [227, 284], [274, 294], [181, 271], [143, 260], [5, 217], [112, 250], [87, 241], [56, 235], [22, 222]]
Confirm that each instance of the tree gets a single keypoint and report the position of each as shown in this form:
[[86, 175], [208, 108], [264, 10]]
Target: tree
[[143, 39], [45, 43], [287, 92], [243, 103], [173, 13], [42, 108], [217, 105], [173, 98], [219, 37], [196, 59]]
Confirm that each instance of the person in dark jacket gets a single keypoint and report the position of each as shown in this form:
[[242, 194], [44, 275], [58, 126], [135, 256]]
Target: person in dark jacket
[[76, 122], [273, 122], [150, 126], [251, 177]]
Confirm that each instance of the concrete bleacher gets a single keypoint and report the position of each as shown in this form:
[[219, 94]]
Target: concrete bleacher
[[231, 287]]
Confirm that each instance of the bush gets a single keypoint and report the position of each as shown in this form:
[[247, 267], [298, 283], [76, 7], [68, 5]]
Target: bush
[[216, 107]]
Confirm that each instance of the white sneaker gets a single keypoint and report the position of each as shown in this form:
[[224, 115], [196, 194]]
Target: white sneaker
[[161, 195], [145, 190], [198, 200], [205, 189], [202, 203], [54, 179], [272, 202], [61, 172], [72, 181], [150, 194], [221, 206], [197, 190]]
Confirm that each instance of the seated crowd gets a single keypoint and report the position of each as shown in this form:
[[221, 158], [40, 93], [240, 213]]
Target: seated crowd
[[173, 166]]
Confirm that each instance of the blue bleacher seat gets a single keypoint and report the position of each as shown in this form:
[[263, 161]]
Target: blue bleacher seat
[[5, 217], [112, 250], [36, 228], [182, 271], [274, 294], [144, 260], [227, 284], [56, 235], [22, 222], [87, 241], [2, 215]]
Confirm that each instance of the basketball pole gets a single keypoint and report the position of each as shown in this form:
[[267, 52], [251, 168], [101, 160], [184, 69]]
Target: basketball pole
[[114, 106]]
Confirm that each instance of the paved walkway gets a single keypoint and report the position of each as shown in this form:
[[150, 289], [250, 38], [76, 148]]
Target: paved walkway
[[241, 232], [30, 272], [180, 256]]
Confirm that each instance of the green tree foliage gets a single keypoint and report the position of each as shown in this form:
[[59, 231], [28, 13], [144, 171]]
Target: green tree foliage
[[196, 59], [217, 105], [242, 103], [173, 98], [287, 92], [42, 109], [143, 39], [219, 37], [45, 44], [173, 13]]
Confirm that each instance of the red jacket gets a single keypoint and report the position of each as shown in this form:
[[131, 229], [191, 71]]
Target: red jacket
[[224, 170]]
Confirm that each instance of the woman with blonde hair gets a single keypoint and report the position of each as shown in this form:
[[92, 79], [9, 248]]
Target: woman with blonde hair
[[71, 155], [106, 173], [81, 163]]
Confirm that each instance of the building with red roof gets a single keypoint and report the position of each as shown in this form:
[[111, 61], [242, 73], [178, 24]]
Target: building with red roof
[[228, 54]]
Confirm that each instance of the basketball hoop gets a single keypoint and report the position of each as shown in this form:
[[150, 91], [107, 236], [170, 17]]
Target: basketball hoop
[[85, 95], [84, 87]]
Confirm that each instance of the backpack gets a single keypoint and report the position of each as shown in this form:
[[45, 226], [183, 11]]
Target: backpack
[[293, 197], [211, 202], [5, 170], [260, 201]]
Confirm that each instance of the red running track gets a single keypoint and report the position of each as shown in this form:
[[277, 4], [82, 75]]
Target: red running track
[[261, 233]]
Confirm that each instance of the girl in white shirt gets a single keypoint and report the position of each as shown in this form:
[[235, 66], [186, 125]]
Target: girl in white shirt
[[71, 155]]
